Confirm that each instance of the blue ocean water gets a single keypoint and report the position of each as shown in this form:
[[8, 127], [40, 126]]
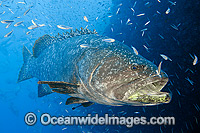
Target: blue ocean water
[[175, 34]]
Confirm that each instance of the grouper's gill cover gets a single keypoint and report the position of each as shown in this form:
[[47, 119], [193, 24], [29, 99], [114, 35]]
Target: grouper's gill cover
[[100, 72]]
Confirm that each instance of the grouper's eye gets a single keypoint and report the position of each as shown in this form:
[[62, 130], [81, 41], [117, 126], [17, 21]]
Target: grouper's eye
[[134, 67]]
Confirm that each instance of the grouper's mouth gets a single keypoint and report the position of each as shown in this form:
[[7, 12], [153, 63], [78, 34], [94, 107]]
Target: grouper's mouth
[[146, 92]]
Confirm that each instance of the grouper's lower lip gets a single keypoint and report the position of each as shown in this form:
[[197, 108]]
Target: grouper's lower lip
[[148, 94], [150, 85]]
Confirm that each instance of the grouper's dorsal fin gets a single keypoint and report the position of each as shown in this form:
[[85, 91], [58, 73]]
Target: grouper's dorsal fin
[[74, 33], [41, 44], [44, 41]]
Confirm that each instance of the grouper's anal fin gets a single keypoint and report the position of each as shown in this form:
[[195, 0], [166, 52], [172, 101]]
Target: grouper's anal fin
[[44, 90], [61, 87]]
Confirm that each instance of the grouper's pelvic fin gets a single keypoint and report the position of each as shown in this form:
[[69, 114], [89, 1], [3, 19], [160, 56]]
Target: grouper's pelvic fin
[[24, 73], [73, 100], [83, 102], [84, 105]]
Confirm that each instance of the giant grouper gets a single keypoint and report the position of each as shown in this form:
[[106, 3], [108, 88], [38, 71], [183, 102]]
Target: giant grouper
[[91, 70]]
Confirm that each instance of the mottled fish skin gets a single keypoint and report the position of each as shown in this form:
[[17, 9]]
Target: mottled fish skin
[[108, 73]]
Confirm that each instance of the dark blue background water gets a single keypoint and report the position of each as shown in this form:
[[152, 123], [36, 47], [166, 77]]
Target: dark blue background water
[[16, 99]]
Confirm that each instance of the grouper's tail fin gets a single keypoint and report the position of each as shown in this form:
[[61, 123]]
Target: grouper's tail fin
[[24, 72]]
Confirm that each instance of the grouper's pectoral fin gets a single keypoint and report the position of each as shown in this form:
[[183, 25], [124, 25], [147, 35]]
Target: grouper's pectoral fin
[[61, 87], [66, 88], [73, 100]]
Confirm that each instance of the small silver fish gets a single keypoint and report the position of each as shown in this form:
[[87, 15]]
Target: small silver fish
[[195, 60], [33, 22], [158, 12], [7, 21], [134, 4], [84, 45], [142, 33], [28, 32], [174, 27], [142, 14], [111, 29], [64, 27], [146, 48], [190, 81], [2, 13], [32, 27], [161, 36], [21, 2], [49, 25], [64, 128], [144, 29], [136, 112], [85, 18], [159, 68], [26, 12], [173, 3], [132, 9], [18, 23], [120, 4], [8, 25], [135, 50], [41, 25], [35, 26], [167, 11], [159, 1], [147, 23], [128, 21], [146, 3], [108, 40], [10, 10], [117, 10], [8, 34], [119, 34], [165, 57]]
